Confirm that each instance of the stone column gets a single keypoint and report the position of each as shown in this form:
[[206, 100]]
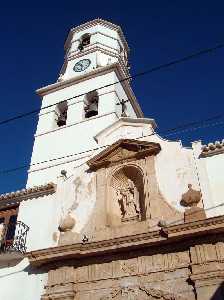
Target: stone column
[[60, 285], [208, 270]]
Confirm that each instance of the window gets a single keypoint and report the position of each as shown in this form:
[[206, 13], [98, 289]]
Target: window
[[8, 218], [61, 113], [91, 104], [84, 41]]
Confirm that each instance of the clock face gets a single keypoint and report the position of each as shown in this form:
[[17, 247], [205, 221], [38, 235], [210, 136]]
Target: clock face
[[82, 65]]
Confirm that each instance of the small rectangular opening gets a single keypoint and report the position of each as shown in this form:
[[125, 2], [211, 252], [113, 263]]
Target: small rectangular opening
[[8, 219]]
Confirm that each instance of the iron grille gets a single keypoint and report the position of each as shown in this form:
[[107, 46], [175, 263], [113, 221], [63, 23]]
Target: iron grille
[[14, 238]]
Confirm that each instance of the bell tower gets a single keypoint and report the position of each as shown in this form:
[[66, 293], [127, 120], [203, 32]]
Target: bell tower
[[90, 94], [93, 45]]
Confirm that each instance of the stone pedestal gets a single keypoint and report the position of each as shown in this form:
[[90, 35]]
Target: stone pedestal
[[194, 214]]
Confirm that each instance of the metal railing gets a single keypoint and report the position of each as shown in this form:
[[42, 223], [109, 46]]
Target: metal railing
[[14, 237]]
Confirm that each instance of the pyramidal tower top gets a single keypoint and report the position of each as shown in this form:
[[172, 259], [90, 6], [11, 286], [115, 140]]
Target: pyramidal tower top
[[91, 94]]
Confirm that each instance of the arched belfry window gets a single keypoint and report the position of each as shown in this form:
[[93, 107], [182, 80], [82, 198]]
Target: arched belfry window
[[91, 104], [61, 113], [84, 40]]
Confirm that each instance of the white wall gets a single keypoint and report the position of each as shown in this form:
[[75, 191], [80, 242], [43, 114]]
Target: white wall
[[40, 214], [18, 283], [215, 170], [78, 133]]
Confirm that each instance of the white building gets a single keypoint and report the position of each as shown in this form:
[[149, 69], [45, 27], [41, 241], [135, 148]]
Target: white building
[[89, 108]]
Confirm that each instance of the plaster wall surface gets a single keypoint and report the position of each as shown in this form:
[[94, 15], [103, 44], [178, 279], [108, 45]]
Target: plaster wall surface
[[19, 282], [215, 168], [175, 168], [41, 215], [77, 196], [210, 169], [64, 142]]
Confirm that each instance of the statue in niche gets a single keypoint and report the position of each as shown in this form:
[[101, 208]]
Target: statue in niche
[[129, 201]]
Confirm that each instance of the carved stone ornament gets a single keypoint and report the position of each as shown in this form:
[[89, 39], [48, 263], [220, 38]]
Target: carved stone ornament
[[140, 293], [124, 149], [66, 235], [67, 223], [191, 198]]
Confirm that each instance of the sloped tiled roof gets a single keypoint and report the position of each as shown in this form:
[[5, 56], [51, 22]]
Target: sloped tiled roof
[[213, 148], [24, 194]]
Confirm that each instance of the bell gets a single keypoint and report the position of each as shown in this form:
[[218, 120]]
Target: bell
[[80, 47], [61, 120], [92, 108]]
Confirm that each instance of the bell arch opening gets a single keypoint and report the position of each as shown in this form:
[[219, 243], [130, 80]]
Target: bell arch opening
[[91, 104], [84, 41], [127, 193], [61, 113]]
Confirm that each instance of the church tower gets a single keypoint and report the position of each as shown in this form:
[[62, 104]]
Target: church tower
[[86, 99]]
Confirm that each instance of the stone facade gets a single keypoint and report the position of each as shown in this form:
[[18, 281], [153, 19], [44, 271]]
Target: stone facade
[[187, 264], [132, 254], [129, 214]]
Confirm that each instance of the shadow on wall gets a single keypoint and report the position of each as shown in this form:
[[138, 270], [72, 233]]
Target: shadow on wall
[[219, 294]]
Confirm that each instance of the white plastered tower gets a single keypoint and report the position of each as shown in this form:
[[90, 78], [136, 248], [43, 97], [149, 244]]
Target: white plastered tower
[[96, 60]]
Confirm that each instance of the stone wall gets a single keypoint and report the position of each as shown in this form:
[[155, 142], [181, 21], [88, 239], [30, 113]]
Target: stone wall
[[180, 272]]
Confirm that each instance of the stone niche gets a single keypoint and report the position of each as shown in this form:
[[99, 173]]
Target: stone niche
[[127, 190], [126, 200]]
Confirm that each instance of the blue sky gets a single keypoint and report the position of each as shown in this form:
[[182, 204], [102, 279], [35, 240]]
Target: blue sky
[[32, 39]]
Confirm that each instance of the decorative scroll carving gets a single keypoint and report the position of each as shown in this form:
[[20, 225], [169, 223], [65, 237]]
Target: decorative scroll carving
[[201, 254], [140, 293], [133, 266]]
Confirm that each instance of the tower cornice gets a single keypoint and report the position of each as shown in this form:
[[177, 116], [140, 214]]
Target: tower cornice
[[95, 47], [96, 72], [92, 23]]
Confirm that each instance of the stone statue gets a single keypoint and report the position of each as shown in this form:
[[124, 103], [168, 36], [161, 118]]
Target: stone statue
[[128, 201]]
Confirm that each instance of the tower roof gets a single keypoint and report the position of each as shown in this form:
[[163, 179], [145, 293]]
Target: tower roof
[[92, 23]]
